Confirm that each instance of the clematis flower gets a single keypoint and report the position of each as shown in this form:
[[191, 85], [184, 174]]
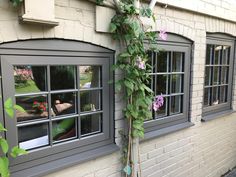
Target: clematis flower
[[140, 63], [158, 102], [163, 35]]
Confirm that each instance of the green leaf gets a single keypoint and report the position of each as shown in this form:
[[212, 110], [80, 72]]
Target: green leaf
[[2, 128], [8, 106], [19, 108], [4, 145], [112, 27], [4, 167], [124, 55], [16, 151], [129, 84]]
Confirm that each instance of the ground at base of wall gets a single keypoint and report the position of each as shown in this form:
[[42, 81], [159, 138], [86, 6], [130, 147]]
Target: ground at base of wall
[[231, 173]]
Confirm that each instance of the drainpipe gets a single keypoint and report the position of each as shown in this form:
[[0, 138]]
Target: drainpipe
[[152, 4]]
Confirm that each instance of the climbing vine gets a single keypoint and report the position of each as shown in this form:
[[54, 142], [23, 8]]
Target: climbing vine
[[126, 27]]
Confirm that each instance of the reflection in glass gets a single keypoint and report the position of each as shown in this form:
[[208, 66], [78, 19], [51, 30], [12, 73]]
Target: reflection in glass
[[90, 76], [33, 136], [161, 84], [90, 100], [36, 107], [162, 62], [177, 62], [29, 79], [215, 99], [64, 129], [226, 55], [223, 94], [224, 74], [207, 100], [63, 103], [218, 50], [176, 83], [209, 54], [90, 124], [176, 104], [163, 110], [216, 73], [208, 75], [63, 77]]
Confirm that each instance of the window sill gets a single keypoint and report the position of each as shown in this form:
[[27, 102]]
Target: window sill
[[217, 115], [165, 131], [60, 164]]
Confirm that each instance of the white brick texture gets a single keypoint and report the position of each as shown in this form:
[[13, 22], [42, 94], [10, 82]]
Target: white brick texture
[[204, 150]]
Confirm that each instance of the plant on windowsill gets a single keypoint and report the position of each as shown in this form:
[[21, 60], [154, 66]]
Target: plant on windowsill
[[16, 151]]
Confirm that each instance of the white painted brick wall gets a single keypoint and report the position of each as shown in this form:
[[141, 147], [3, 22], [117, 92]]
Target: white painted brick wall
[[204, 150]]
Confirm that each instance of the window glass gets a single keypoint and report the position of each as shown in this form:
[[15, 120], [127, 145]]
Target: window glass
[[62, 77], [90, 76], [64, 129], [53, 110], [168, 81], [36, 107], [216, 75], [30, 79], [33, 136], [90, 124]]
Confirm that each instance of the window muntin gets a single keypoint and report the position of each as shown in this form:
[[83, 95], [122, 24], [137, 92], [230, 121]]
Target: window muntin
[[168, 81], [218, 74], [61, 114]]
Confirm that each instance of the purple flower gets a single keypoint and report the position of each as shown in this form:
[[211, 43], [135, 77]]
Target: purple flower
[[140, 63], [163, 35], [158, 102]]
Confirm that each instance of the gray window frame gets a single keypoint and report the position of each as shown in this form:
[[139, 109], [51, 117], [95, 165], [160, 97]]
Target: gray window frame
[[161, 126], [55, 51], [210, 112]]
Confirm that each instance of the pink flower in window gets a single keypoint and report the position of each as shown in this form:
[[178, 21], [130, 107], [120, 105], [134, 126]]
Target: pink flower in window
[[158, 102]]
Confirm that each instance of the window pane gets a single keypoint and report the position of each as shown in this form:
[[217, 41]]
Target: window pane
[[223, 94], [33, 136], [176, 104], [90, 76], [208, 75], [63, 77], [224, 74], [90, 124], [36, 107], [176, 83], [216, 74], [161, 84], [207, 96], [177, 62], [63, 103], [162, 62], [64, 129], [90, 100], [226, 55], [215, 99], [30, 79], [209, 54], [163, 110], [218, 49]]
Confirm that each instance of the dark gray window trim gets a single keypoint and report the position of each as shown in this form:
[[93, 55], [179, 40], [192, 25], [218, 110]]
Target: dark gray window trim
[[56, 48], [158, 127], [212, 112]]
